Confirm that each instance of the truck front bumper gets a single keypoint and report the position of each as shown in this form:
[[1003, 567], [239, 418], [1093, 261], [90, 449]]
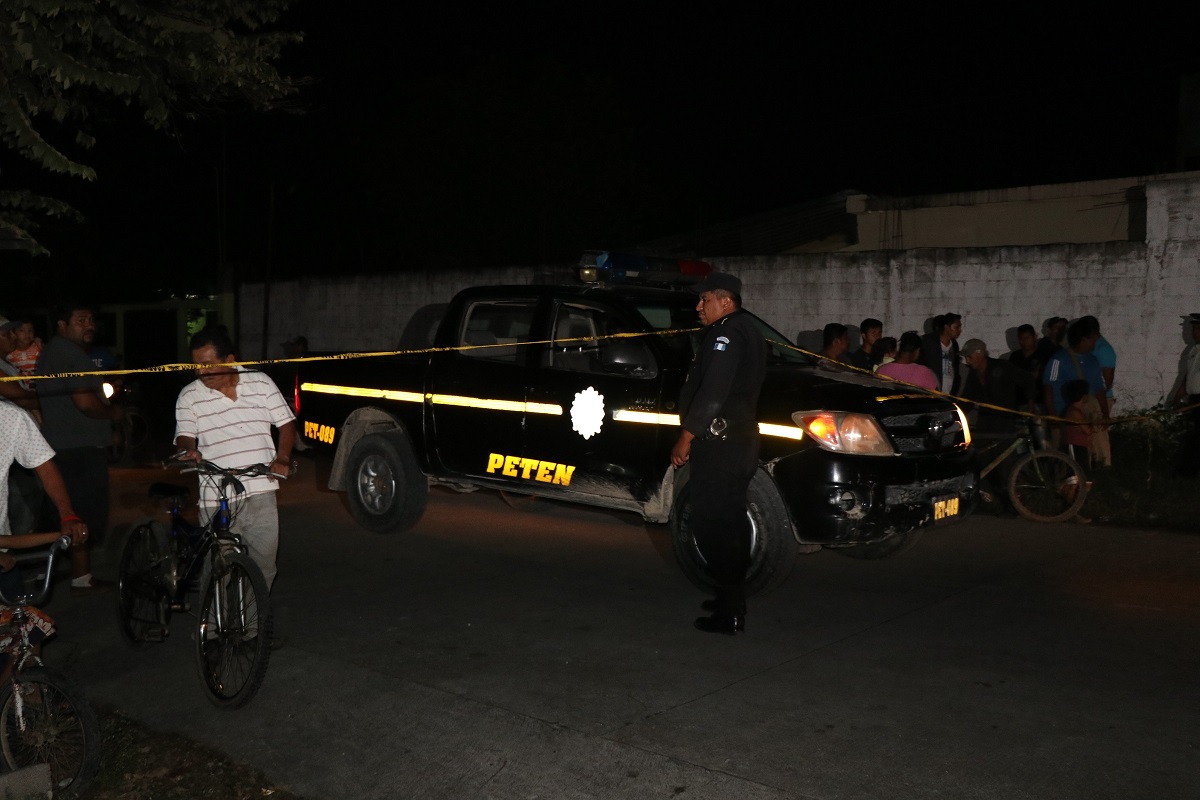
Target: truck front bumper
[[842, 499]]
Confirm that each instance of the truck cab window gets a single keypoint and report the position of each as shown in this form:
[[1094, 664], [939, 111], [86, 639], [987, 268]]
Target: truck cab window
[[492, 329], [580, 345]]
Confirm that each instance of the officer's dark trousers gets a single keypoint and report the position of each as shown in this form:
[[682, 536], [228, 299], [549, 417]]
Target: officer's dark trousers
[[721, 470]]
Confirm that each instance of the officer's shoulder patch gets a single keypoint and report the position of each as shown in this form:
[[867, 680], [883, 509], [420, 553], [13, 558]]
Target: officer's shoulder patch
[[721, 343]]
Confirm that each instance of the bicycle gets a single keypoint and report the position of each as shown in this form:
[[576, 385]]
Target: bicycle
[[44, 717], [160, 564], [1043, 485]]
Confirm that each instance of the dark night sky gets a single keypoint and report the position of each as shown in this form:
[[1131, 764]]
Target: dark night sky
[[460, 137]]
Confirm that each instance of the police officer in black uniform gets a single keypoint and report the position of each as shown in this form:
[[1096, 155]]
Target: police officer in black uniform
[[719, 440]]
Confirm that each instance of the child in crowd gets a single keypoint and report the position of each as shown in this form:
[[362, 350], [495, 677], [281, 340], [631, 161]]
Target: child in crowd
[[24, 355], [885, 348], [1077, 435]]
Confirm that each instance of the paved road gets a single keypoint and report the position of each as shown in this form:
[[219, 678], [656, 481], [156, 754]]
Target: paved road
[[549, 653]]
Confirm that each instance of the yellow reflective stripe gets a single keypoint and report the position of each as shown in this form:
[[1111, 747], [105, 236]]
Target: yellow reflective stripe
[[782, 431], [652, 418], [645, 417], [439, 399], [496, 405], [358, 391]]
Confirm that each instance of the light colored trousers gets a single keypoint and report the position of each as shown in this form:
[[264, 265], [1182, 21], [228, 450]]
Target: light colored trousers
[[256, 521]]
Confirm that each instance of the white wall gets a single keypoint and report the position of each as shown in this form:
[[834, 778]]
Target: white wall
[[1137, 290]]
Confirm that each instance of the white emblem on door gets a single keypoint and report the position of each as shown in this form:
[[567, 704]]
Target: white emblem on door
[[587, 412]]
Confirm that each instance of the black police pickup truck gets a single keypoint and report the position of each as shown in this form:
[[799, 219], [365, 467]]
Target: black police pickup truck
[[570, 393]]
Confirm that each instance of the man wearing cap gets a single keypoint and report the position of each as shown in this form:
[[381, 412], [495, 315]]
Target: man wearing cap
[[1189, 394], [718, 441], [996, 383]]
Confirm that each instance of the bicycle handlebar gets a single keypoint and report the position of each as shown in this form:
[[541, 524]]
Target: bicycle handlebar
[[63, 543], [208, 468]]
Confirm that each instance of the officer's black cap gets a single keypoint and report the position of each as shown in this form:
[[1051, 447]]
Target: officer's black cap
[[719, 280]]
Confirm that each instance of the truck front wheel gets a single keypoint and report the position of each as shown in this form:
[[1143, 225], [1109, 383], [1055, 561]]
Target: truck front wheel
[[773, 547], [386, 490]]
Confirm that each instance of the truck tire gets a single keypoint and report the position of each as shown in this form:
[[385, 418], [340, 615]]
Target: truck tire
[[774, 548], [386, 490]]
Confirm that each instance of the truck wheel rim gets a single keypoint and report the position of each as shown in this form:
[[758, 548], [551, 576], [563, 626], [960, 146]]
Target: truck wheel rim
[[376, 484]]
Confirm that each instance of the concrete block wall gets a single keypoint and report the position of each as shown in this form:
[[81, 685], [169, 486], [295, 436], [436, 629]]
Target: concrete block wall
[[1138, 290], [994, 289]]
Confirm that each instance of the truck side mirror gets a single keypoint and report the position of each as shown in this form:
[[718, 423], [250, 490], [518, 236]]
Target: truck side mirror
[[626, 357]]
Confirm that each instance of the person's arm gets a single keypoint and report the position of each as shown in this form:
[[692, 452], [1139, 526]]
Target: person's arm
[[12, 390], [283, 454], [682, 450], [1102, 398], [1097, 385], [187, 449], [90, 405], [56, 490]]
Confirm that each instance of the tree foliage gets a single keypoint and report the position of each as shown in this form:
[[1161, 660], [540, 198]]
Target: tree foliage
[[66, 65]]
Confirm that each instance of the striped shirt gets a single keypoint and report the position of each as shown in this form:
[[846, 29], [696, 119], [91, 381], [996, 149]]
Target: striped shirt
[[233, 433]]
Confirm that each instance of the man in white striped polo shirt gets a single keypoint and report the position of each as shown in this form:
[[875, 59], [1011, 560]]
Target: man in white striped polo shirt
[[225, 416]]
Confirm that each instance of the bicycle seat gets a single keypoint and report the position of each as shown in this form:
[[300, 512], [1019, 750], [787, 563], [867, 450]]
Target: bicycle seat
[[169, 491]]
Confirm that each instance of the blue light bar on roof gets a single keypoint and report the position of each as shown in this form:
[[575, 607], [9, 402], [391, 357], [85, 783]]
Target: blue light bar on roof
[[606, 266]]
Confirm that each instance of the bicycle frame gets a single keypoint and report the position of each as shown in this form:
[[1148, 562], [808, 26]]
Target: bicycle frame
[[192, 544], [1008, 451], [20, 650]]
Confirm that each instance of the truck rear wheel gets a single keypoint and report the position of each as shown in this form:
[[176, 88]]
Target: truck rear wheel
[[773, 547], [386, 490]]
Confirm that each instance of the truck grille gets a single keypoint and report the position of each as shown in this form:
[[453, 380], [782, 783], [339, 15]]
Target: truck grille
[[926, 429]]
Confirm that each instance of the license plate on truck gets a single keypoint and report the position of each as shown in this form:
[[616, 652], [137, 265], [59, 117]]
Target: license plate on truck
[[945, 508]]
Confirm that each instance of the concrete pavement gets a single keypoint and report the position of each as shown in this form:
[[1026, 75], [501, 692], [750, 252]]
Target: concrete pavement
[[549, 653]]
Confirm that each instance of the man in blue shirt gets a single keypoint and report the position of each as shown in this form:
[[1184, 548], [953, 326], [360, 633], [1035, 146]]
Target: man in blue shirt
[[1107, 358], [1074, 362]]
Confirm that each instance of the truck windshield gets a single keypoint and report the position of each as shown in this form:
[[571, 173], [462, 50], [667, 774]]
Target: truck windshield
[[666, 316]]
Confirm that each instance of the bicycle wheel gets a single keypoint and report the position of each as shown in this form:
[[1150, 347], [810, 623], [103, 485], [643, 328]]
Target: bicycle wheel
[[142, 602], [233, 641], [137, 428], [1047, 486], [118, 444], [44, 719]]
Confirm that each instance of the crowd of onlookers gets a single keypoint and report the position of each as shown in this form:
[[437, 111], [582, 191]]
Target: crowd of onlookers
[[1066, 374]]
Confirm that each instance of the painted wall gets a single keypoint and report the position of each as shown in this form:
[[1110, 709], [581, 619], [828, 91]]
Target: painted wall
[[1137, 290]]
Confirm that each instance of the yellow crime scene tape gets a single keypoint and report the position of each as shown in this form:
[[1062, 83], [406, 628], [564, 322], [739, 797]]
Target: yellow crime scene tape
[[187, 367]]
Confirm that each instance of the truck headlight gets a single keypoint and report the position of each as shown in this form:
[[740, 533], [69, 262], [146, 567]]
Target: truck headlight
[[843, 432], [966, 428]]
